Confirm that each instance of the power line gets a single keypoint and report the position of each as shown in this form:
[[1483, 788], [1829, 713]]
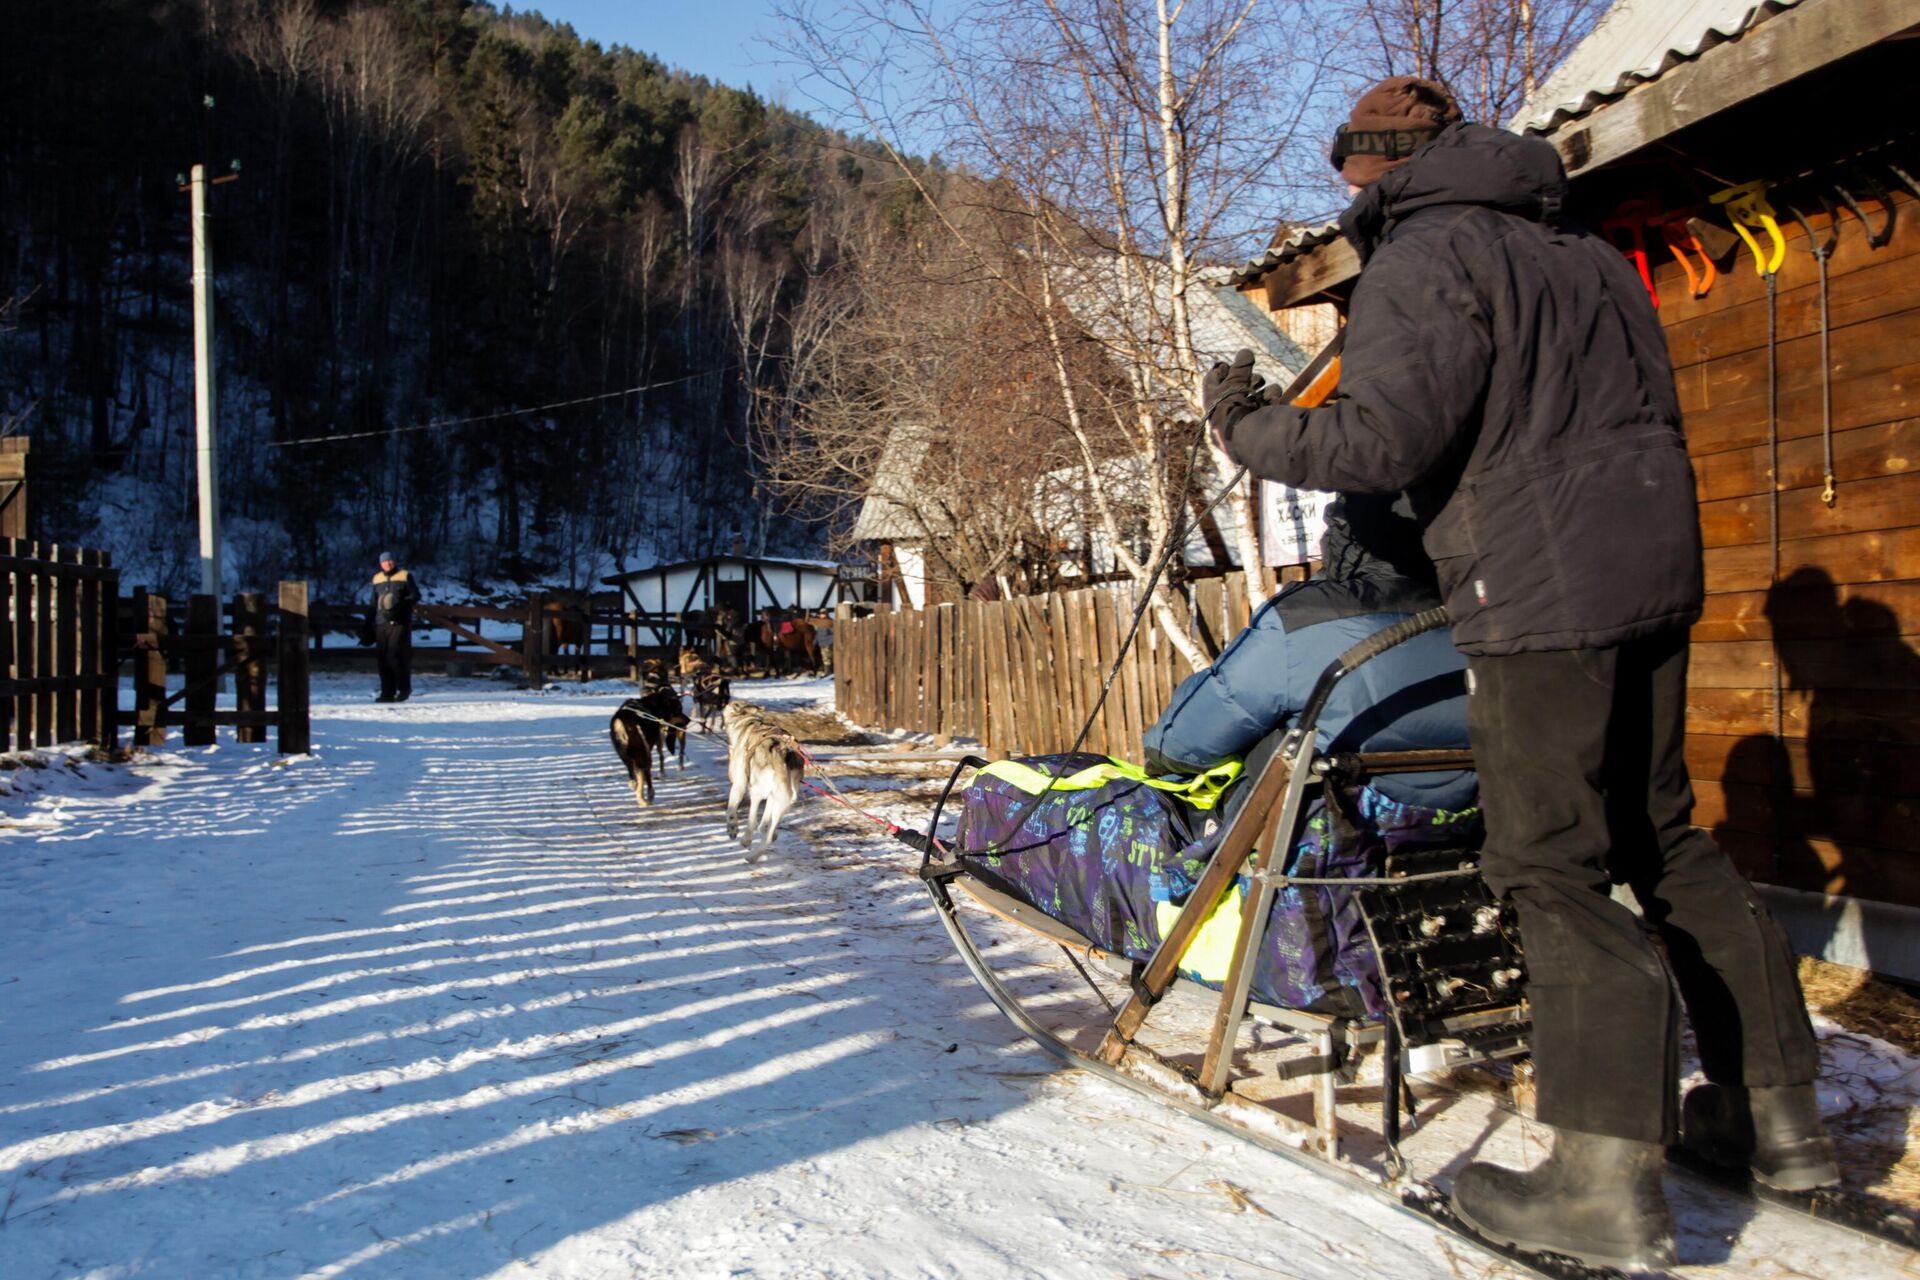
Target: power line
[[503, 413]]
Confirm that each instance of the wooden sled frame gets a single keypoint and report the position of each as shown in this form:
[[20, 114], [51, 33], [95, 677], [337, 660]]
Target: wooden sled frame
[[1255, 841]]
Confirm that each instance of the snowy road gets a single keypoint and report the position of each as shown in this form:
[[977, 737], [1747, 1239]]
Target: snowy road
[[439, 1001]]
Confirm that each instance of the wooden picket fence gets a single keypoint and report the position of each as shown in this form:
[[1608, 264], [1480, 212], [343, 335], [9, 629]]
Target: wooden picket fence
[[58, 651], [1022, 675]]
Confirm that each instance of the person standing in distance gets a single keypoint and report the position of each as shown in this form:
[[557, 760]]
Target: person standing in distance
[[394, 595], [1506, 369]]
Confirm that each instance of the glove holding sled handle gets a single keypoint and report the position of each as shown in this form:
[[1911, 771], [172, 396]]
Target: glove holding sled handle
[[1228, 393]]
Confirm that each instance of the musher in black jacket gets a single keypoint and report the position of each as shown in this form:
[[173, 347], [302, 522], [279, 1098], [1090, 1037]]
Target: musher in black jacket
[[1506, 369], [394, 595]]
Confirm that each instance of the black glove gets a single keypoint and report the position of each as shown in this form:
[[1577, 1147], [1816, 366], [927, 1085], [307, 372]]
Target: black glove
[[366, 632], [1228, 393]]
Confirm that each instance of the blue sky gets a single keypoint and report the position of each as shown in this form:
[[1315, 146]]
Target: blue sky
[[713, 38]]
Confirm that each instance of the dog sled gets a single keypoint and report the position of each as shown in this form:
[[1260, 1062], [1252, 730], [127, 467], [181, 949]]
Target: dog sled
[[1282, 965]]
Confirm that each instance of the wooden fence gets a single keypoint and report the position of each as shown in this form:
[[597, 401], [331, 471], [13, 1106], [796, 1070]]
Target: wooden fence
[[610, 634], [58, 652], [208, 643], [528, 645], [1023, 675]]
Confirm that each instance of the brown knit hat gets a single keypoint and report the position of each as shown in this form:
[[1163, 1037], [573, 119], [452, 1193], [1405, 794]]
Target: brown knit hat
[[1388, 122]]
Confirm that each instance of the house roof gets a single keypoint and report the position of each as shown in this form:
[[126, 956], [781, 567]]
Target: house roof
[[1225, 320], [1635, 43], [824, 566], [1222, 319], [1303, 241], [891, 511]]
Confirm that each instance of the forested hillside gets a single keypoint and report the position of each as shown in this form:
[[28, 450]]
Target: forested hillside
[[441, 211]]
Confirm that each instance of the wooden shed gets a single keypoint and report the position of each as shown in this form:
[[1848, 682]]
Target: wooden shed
[[747, 584], [1804, 698]]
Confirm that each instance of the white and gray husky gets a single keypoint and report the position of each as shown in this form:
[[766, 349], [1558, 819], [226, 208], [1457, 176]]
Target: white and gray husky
[[764, 767]]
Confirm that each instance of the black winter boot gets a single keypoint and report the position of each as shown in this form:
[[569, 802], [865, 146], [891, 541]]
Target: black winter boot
[[1594, 1198], [1775, 1132]]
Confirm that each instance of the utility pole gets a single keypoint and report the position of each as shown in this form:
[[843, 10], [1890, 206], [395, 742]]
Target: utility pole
[[205, 442]]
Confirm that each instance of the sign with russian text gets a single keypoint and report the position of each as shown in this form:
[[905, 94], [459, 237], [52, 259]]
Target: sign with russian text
[[1292, 523]]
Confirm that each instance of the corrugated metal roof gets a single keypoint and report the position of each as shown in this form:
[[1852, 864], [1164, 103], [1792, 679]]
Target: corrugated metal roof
[[1223, 321], [1301, 242], [1636, 42]]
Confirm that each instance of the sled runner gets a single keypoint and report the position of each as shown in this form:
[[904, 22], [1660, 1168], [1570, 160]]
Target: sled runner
[[1274, 945]]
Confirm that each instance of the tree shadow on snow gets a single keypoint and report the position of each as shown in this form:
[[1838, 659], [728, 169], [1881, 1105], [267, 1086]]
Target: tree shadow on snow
[[466, 1001]]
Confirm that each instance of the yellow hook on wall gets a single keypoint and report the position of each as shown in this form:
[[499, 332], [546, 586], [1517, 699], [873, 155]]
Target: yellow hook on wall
[[1749, 211]]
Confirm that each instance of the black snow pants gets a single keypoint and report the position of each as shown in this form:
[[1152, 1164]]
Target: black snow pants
[[1584, 784], [393, 646]]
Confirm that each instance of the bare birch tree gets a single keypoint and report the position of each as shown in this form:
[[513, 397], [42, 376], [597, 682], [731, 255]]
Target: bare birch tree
[[1129, 146], [1491, 54]]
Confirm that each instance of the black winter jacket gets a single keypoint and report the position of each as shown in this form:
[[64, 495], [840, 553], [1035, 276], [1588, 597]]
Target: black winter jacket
[[1506, 369], [394, 595]]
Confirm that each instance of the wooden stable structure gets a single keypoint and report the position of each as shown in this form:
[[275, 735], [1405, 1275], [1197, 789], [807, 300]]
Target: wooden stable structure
[[745, 584], [1804, 699], [13, 486]]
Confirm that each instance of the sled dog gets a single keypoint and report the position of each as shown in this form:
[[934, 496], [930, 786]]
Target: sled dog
[[646, 726], [711, 694], [764, 767]]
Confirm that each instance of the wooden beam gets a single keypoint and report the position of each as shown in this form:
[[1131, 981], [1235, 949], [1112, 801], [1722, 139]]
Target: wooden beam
[[1333, 264]]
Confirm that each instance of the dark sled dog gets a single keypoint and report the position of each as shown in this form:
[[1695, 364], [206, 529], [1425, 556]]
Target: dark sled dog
[[639, 729], [711, 694]]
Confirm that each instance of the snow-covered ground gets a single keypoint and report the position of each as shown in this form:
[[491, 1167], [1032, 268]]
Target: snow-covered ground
[[440, 1000]]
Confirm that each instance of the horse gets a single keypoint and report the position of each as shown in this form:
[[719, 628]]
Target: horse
[[785, 642], [568, 628]]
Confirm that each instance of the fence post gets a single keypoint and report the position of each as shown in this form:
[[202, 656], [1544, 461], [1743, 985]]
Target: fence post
[[105, 727], [201, 662], [87, 629], [66, 644], [9, 707], [295, 732], [633, 646], [150, 669], [586, 645], [46, 657], [18, 647], [250, 666], [534, 642]]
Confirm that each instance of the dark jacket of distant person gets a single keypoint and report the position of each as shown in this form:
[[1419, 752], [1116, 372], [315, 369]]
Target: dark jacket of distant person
[[394, 595]]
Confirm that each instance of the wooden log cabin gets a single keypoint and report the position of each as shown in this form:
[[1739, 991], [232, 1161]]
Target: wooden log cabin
[[1804, 697]]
